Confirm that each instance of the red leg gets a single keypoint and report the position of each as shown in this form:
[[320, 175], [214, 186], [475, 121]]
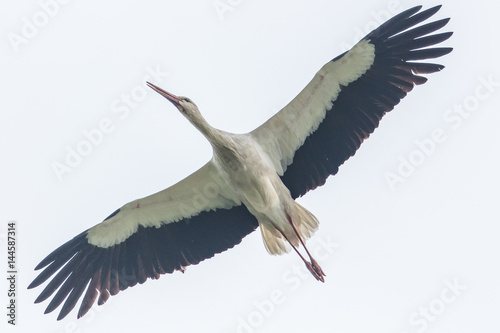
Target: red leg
[[314, 263], [314, 267]]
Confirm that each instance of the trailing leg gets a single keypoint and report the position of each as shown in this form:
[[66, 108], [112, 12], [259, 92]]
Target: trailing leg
[[315, 266], [312, 267]]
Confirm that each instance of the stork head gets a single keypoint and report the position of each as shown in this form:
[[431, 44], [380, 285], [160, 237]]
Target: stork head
[[184, 104]]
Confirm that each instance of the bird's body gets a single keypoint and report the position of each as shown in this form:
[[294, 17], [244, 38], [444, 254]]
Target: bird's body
[[252, 179]]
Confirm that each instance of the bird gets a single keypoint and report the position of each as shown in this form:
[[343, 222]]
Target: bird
[[253, 179]]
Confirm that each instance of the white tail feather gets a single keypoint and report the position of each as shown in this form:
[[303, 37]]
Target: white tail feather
[[274, 242], [307, 223], [303, 220]]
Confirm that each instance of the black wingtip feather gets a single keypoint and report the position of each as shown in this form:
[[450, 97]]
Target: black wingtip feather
[[91, 294], [70, 246], [425, 68], [418, 31], [429, 53], [76, 293], [393, 24], [403, 44]]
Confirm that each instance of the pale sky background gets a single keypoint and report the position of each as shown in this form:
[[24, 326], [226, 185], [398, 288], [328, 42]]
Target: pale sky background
[[390, 253]]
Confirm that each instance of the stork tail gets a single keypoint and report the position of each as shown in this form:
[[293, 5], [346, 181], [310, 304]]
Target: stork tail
[[305, 223]]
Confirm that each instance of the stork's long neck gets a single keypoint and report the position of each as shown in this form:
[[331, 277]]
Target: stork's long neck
[[215, 136]]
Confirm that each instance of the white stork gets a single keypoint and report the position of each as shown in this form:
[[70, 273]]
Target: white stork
[[252, 179]]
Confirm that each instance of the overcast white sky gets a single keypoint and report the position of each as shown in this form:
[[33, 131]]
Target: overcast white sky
[[415, 256]]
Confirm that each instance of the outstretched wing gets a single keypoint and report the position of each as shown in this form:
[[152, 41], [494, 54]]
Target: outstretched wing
[[167, 231], [327, 122]]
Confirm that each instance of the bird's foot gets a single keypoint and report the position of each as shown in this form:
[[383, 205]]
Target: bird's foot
[[317, 267], [315, 270]]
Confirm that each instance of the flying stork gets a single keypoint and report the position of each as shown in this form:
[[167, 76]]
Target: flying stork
[[252, 179]]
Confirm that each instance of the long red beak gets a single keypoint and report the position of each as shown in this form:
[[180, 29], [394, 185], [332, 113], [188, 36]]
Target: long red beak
[[171, 97]]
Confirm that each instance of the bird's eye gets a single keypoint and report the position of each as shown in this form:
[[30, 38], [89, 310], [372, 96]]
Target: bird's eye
[[187, 100]]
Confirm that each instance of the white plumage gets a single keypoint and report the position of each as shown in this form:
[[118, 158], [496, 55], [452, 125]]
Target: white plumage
[[252, 179]]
